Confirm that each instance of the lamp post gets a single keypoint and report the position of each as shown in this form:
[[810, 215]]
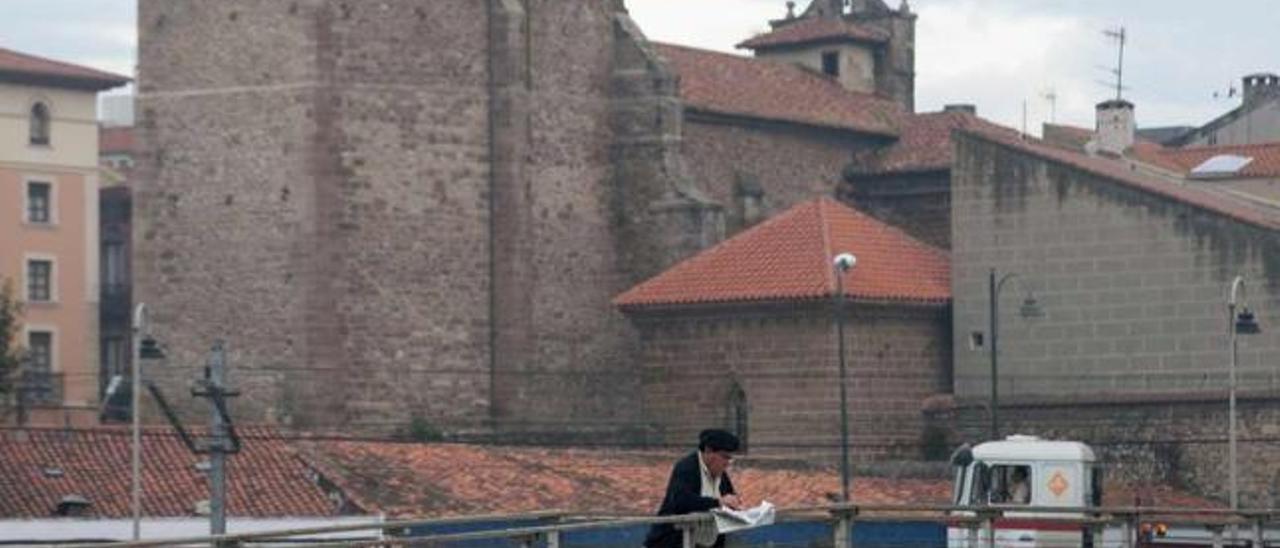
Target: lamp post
[[144, 347], [135, 394], [1236, 324], [841, 265], [1030, 309]]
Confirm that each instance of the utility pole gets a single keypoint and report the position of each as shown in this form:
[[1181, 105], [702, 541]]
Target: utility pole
[[214, 387]]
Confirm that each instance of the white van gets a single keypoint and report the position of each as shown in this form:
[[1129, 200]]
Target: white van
[[1026, 471]]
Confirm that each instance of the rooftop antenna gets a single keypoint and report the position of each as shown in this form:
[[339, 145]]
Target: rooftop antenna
[[1024, 119], [1051, 95], [1118, 34]]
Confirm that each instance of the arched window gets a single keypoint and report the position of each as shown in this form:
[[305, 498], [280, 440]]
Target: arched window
[[738, 414], [39, 124]]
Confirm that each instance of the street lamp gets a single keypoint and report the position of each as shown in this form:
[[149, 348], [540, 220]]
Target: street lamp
[[1029, 309], [1245, 323], [144, 347], [841, 265]]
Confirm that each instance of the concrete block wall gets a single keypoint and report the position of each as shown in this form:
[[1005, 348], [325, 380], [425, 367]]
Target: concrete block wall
[[785, 361], [1133, 286], [1133, 289]]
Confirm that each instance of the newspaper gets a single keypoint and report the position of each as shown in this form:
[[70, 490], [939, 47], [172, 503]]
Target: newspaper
[[728, 521]]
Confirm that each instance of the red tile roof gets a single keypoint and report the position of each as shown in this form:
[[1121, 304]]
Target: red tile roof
[[1266, 158], [23, 67], [426, 480], [924, 143], [776, 91], [1202, 198], [813, 30], [788, 258], [116, 140], [266, 479]]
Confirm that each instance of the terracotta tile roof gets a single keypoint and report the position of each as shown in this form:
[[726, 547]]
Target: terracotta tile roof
[[1200, 198], [816, 29], [788, 258], [116, 140], [266, 479], [427, 480], [20, 66], [776, 91], [924, 143], [1266, 158]]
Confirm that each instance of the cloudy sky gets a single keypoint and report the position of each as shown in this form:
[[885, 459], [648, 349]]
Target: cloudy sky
[[997, 54]]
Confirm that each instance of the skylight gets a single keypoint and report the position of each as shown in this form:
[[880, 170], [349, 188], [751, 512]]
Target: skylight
[[1222, 165]]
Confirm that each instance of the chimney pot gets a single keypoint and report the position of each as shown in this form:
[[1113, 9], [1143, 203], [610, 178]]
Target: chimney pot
[[1260, 86], [1116, 126]]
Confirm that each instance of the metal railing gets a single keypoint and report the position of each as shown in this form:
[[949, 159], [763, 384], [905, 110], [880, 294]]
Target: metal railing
[[977, 526], [40, 388]]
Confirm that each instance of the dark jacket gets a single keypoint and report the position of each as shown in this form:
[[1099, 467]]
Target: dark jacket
[[684, 496]]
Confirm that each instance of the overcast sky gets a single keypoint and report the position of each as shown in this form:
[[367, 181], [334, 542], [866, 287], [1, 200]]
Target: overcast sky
[[996, 54]]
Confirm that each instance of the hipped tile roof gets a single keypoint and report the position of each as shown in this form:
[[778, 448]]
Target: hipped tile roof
[[775, 91], [789, 258], [924, 143], [16, 65], [38, 467], [816, 30], [1201, 198]]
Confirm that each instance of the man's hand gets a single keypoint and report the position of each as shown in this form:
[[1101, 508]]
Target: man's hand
[[731, 501]]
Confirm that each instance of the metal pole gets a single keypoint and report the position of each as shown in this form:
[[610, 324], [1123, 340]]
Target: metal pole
[[844, 396], [1235, 493], [139, 319], [994, 320], [217, 454], [1237, 283]]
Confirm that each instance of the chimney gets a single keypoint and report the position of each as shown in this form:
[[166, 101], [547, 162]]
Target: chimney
[[966, 108], [1259, 87], [1115, 126]]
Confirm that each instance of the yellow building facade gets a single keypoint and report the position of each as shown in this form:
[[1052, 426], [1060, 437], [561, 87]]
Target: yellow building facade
[[49, 179]]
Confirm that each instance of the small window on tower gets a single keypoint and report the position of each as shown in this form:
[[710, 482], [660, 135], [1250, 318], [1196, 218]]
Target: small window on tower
[[831, 63]]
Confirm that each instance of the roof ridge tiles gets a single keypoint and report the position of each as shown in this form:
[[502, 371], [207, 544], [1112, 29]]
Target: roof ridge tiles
[[784, 260]]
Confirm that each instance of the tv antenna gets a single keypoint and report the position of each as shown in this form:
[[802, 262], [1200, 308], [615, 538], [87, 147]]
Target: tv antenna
[[1051, 95], [1120, 37]]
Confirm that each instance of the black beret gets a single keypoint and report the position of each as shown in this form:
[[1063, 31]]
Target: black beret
[[717, 440]]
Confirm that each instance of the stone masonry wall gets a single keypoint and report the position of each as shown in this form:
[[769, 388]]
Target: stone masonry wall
[[317, 189], [789, 164], [919, 203], [784, 359], [579, 375], [1133, 289], [1179, 441], [228, 205]]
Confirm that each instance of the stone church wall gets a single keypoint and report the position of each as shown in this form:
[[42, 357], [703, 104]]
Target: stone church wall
[[784, 360], [318, 188], [787, 165]]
